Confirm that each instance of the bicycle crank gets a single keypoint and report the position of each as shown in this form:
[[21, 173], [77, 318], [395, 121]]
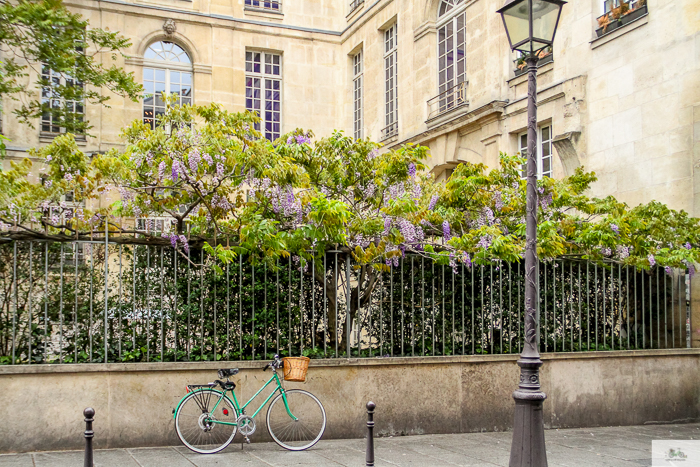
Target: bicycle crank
[[246, 425]]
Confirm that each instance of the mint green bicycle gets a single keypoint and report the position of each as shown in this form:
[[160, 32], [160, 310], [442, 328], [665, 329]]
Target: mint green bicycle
[[207, 419]]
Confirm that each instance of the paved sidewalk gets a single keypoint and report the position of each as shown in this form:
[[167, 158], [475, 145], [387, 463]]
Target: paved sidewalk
[[605, 447]]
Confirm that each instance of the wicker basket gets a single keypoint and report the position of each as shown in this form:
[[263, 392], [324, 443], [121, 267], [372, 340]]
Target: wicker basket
[[295, 368]]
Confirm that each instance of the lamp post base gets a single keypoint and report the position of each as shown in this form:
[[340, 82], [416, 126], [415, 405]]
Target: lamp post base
[[528, 448]]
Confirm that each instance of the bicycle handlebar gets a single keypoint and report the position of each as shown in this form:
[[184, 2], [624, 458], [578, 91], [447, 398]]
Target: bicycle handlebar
[[275, 364]]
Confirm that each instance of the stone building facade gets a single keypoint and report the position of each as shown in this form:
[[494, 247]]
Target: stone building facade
[[435, 72]]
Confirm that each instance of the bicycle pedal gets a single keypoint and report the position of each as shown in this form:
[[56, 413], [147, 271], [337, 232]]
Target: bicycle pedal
[[247, 440]]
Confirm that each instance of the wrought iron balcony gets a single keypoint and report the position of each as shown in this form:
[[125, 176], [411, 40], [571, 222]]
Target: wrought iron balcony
[[390, 131], [355, 4], [454, 97]]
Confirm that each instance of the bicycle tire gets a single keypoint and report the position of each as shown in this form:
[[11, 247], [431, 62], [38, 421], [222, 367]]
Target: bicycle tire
[[300, 434], [192, 427]]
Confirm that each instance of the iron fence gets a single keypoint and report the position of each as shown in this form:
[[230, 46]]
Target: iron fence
[[97, 302]]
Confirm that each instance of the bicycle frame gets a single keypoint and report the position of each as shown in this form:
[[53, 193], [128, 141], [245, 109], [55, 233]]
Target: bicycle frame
[[240, 408]]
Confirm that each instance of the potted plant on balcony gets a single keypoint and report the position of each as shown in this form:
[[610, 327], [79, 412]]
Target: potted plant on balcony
[[639, 10], [544, 56]]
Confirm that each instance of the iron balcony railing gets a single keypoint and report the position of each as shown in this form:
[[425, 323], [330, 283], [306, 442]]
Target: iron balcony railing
[[452, 98], [264, 4], [390, 131], [151, 303], [355, 4]]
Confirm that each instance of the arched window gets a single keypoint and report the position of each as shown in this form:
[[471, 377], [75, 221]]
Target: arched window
[[447, 5], [452, 64], [167, 68]]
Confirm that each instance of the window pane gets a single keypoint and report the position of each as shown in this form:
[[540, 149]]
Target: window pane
[[160, 76], [148, 74]]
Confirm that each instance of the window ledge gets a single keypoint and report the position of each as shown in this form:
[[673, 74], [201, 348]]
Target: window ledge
[[350, 16], [389, 140], [622, 30], [263, 13], [45, 137], [541, 69], [448, 115]]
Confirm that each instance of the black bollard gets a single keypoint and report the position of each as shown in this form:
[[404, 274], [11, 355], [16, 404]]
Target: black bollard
[[370, 433], [89, 434]]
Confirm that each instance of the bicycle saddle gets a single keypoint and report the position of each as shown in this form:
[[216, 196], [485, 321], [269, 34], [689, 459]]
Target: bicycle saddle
[[225, 373]]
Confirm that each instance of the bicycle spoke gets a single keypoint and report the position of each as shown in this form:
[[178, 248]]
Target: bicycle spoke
[[297, 434], [196, 425]]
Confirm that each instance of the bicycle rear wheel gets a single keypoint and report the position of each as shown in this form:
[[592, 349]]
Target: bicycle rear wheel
[[306, 430], [195, 421]]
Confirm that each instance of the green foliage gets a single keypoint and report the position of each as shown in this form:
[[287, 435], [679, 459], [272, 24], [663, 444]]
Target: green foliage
[[226, 187], [43, 33]]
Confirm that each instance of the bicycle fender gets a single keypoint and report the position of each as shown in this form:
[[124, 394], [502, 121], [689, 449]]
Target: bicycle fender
[[196, 390]]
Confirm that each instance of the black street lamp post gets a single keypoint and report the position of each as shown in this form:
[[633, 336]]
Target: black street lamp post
[[530, 26]]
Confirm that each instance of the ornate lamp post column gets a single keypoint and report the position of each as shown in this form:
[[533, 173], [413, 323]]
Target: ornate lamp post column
[[530, 26]]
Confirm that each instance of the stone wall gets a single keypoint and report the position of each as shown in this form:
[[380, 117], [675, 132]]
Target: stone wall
[[42, 405]]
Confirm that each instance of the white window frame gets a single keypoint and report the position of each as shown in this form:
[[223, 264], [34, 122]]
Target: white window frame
[[60, 79], [451, 17], [167, 67], [391, 100], [614, 4], [544, 146], [267, 5], [270, 72], [357, 95]]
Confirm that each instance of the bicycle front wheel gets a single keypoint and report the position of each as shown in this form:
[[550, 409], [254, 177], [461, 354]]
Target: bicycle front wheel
[[196, 421], [304, 427]]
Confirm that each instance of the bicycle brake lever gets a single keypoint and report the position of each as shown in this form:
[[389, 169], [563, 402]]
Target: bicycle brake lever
[[266, 367]]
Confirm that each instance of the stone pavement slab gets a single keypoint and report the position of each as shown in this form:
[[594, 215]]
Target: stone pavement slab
[[580, 447]]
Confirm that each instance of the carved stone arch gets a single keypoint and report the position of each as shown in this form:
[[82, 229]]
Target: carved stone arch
[[176, 37], [430, 12]]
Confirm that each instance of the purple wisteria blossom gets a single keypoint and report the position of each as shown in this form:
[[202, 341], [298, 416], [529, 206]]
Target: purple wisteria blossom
[[48, 183], [446, 233], [623, 251], [49, 158], [668, 270], [175, 171], [433, 202], [687, 246], [615, 228], [411, 170], [161, 170], [194, 158], [652, 260], [301, 139], [219, 170], [467, 260], [68, 177], [484, 242], [387, 225], [498, 200], [605, 251]]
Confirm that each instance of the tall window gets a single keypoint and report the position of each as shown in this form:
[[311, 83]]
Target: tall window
[[357, 94], [263, 90], [391, 100], [544, 152], [452, 62], [167, 68], [50, 123]]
